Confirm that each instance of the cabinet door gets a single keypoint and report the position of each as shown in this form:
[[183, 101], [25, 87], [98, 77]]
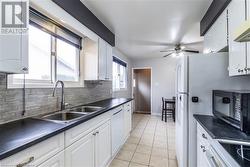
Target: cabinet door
[[237, 51], [109, 63], [102, 59], [103, 145], [81, 153], [208, 42], [248, 43], [127, 119], [55, 161], [14, 51]]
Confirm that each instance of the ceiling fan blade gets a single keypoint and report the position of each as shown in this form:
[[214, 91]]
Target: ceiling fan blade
[[192, 43], [190, 51], [151, 43], [170, 50], [168, 55]]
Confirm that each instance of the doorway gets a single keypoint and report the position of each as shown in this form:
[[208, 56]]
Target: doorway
[[142, 90]]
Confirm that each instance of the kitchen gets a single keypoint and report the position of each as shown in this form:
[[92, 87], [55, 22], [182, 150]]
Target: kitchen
[[67, 83]]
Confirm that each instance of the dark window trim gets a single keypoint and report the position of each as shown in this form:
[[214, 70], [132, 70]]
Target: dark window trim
[[120, 62], [37, 13]]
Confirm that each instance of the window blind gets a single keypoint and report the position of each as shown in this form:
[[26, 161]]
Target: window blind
[[58, 31], [118, 61]]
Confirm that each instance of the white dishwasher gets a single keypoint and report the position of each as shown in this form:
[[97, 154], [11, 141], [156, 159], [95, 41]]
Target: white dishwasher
[[117, 122]]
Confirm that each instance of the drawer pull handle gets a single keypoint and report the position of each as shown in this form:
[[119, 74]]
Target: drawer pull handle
[[117, 112], [26, 163]]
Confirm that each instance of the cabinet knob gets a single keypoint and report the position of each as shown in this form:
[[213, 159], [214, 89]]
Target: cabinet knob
[[204, 136], [245, 69], [203, 148], [25, 69]]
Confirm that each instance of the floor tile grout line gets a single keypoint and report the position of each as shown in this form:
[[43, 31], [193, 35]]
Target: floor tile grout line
[[138, 142]]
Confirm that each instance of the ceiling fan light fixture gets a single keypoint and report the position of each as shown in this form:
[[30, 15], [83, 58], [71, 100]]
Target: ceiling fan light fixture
[[174, 54], [182, 47]]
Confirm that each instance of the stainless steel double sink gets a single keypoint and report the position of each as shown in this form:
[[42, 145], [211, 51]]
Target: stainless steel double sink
[[70, 115]]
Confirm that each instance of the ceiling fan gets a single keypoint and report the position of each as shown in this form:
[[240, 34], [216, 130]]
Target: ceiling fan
[[179, 48]]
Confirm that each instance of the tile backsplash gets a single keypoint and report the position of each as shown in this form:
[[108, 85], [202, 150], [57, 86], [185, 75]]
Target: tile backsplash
[[39, 101]]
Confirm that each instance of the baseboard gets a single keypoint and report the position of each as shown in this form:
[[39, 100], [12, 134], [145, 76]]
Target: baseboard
[[156, 114]]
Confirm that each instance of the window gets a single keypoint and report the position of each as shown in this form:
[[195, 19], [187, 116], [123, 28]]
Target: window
[[67, 62], [119, 74], [54, 54]]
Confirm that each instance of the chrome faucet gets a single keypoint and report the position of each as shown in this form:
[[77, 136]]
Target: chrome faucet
[[62, 93]]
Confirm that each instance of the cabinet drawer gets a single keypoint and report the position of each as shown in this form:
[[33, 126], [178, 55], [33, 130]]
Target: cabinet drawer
[[36, 154], [76, 133]]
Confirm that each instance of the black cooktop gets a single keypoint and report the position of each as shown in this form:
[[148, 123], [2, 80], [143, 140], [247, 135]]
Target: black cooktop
[[240, 153]]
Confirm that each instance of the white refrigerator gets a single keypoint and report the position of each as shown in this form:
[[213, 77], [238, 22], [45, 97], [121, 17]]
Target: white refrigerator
[[196, 76]]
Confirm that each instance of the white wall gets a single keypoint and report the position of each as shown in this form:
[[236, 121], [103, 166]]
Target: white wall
[[163, 79], [128, 92]]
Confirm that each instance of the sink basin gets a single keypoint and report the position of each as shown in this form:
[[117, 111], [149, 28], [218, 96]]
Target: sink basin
[[63, 117], [86, 109]]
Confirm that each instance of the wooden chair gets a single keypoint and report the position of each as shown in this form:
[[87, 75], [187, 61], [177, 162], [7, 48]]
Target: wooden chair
[[168, 108]]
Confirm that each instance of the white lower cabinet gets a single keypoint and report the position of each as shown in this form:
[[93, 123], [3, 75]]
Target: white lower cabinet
[[93, 150], [55, 161], [127, 119], [103, 145], [81, 153], [37, 154], [86, 145]]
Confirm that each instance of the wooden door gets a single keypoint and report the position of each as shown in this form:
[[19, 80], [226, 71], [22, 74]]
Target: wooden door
[[142, 90]]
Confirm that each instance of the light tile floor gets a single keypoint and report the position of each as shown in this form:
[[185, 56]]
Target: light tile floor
[[151, 144]]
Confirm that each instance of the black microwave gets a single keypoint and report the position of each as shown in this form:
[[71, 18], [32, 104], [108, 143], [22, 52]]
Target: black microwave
[[233, 107]]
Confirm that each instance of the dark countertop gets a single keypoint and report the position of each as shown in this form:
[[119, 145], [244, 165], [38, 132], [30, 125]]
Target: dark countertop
[[218, 129], [21, 134]]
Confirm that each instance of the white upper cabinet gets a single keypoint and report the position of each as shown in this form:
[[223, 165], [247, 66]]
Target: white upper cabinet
[[102, 54], [105, 60], [216, 38], [109, 62], [97, 60], [237, 51], [248, 43], [14, 51]]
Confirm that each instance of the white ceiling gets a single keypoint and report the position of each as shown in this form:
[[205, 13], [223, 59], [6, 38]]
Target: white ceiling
[[144, 27]]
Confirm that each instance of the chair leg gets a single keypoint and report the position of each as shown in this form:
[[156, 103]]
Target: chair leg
[[162, 115], [174, 115], [165, 116]]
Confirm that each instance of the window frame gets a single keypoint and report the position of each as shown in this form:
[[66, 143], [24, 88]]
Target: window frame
[[33, 83], [126, 74]]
